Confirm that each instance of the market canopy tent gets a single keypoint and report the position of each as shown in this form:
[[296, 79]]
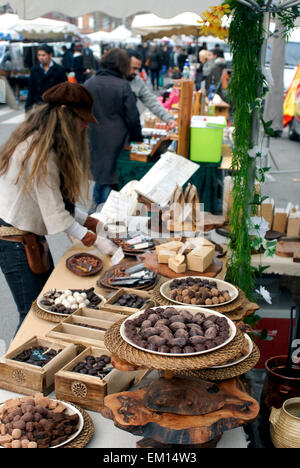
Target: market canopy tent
[[120, 34], [10, 35], [37, 29], [152, 26], [99, 36], [29, 9]]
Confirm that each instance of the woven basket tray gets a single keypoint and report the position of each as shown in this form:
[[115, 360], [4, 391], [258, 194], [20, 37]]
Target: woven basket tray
[[47, 315], [232, 306], [87, 431], [227, 372], [123, 350]]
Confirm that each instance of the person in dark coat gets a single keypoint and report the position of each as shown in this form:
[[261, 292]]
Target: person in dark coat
[[67, 60], [154, 66], [78, 65], [43, 76], [119, 120], [182, 57]]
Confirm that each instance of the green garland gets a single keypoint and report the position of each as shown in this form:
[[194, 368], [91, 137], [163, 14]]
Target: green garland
[[246, 36]]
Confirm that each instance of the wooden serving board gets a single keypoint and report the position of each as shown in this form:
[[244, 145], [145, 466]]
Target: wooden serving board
[[150, 261], [129, 413], [289, 249]]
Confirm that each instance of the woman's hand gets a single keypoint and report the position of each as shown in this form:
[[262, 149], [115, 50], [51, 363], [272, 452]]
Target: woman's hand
[[106, 246], [91, 223], [89, 239]]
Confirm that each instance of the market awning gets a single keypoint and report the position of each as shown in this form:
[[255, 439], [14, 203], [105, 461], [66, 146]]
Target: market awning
[[121, 33], [10, 35], [37, 29], [98, 36], [29, 9], [151, 26]]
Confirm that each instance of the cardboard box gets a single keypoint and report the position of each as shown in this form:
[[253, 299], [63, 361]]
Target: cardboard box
[[266, 211], [280, 220], [227, 196], [200, 258], [293, 226], [174, 246], [194, 243], [177, 264], [164, 255]]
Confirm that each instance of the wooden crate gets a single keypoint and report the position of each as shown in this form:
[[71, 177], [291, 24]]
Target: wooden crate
[[69, 330], [107, 315], [109, 304], [87, 391], [28, 379]]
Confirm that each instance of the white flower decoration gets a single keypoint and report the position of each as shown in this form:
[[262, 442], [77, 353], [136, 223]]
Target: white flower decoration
[[259, 227], [265, 294]]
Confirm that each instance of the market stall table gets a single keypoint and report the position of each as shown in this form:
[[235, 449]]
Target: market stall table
[[106, 434]]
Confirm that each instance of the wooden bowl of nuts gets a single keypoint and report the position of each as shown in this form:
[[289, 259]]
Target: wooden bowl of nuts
[[199, 291], [84, 264]]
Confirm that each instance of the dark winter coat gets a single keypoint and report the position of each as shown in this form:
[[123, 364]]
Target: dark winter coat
[[119, 123], [39, 82]]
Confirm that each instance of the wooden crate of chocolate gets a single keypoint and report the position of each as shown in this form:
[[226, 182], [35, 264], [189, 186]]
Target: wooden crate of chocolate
[[98, 314], [127, 301], [82, 330], [31, 367], [89, 378]]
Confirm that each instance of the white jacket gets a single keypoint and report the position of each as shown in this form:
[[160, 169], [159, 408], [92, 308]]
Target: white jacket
[[41, 210]]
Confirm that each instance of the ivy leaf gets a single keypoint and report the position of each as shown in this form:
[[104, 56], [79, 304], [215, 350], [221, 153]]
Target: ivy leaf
[[267, 126], [258, 199], [259, 271], [257, 243]]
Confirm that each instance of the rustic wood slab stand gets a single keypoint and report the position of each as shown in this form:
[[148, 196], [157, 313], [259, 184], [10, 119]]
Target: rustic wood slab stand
[[129, 413], [174, 409]]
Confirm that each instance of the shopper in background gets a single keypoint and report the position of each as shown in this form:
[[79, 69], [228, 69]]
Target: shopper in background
[[119, 121], [142, 91], [145, 52], [182, 57], [90, 63], [207, 69], [43, 76], [174, 58], [165, 59], [217, 72], [44, 171], [154, 66], [67, 60], [203, 57]]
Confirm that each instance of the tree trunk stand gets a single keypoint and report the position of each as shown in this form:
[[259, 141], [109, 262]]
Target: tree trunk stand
[[131, 412]]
